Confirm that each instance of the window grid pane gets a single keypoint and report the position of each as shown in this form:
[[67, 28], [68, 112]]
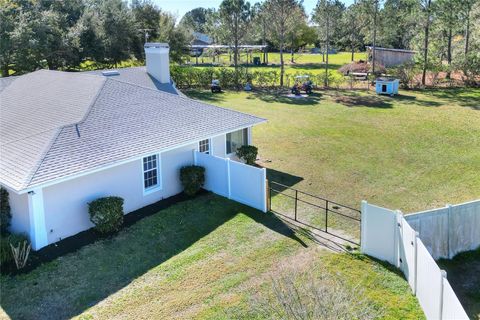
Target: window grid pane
[[204, 146], [150, 171]]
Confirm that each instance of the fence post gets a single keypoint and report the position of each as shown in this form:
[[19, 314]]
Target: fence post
[[296, 198], [449, 211], [415, 261], [269, 196], [326, 216], [443, 274], [229, 187], [363, 225], [398, 230], [265, 190]]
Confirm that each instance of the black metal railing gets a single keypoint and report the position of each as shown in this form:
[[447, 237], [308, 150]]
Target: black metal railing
[[329, 209]]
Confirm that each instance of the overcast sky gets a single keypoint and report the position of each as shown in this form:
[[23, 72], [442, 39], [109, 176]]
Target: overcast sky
[[180, 7]]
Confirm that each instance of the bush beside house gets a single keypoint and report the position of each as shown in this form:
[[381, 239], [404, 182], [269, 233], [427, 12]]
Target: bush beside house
[[192, 178], [106, 214], [248, 154]]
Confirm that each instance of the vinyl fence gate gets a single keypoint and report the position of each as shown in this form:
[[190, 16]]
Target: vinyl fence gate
[[315, 212]]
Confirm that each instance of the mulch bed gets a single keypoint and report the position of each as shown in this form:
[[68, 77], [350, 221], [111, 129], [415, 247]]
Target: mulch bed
[[76, 242]]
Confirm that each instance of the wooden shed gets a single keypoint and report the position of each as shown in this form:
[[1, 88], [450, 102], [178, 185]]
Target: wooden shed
[[390, 57]]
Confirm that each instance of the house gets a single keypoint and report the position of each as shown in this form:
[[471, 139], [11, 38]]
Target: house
[[390, 57], [69, 138]]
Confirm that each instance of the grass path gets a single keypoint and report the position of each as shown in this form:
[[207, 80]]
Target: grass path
[[200, 259], [412, 152]]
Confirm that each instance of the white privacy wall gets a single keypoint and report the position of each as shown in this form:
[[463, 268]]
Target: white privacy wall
[[234, 180], [449, 230], [386, 235]]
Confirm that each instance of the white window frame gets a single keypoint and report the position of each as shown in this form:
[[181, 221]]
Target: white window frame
[[246, 143], [210, 151], [158, 186]]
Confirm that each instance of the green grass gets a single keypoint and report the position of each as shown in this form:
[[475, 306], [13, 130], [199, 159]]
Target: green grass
[[203, 258], [415, 151]]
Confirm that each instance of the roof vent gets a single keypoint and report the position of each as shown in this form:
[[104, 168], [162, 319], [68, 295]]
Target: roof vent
[[107, 73]]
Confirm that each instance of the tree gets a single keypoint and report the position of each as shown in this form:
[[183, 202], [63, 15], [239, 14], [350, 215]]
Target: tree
[[146, 16], [235, 19], [328, 15], [281, 21], [427, 16], [196, 20], [447, 20], [466, 7], [353, 23], [176, 36]]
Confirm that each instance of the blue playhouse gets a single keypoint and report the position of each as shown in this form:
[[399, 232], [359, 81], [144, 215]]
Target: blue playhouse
[[386, 86]]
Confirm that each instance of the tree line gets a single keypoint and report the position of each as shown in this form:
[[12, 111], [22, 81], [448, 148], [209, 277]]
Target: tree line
[[63, 34]]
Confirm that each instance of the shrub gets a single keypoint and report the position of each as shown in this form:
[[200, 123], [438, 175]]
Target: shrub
[[5, 214], [192, 178], [6, 255], [107, 214], [248, 154]]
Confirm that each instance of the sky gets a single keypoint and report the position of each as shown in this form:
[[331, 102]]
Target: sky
[[180, 7]]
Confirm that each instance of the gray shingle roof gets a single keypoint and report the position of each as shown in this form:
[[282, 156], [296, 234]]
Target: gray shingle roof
[[57, 124], [138, 76]]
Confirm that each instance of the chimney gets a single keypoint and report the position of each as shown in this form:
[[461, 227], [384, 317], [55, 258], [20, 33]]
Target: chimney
[[157, 60]]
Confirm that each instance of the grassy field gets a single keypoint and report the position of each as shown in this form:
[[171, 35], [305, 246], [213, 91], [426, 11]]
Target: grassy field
[[206, 258], [415, 151]]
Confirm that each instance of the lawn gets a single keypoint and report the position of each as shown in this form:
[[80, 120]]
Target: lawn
[[415, 151], [204, 258]]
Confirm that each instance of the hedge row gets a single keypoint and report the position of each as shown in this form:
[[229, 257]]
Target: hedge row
[[194, 77]]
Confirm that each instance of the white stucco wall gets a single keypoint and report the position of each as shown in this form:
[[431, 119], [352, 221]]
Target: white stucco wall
[[19, 209], [66, 209]]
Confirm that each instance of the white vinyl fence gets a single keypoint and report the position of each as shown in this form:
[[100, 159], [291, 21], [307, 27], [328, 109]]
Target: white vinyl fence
[[234, 180], [386, 235], [449, 230]]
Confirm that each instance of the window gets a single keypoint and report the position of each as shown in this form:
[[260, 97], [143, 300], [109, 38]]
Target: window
[[150, 172], [204, 146], [236, 139]]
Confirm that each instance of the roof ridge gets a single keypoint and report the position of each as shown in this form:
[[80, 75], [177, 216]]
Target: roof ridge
[[59, 130]]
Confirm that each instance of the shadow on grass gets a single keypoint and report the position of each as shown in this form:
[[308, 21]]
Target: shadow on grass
[[204, 95], [70, 285], [353, 99], [286, 179], [281, 96], [415, 100], [462, 274], [465, 97]]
